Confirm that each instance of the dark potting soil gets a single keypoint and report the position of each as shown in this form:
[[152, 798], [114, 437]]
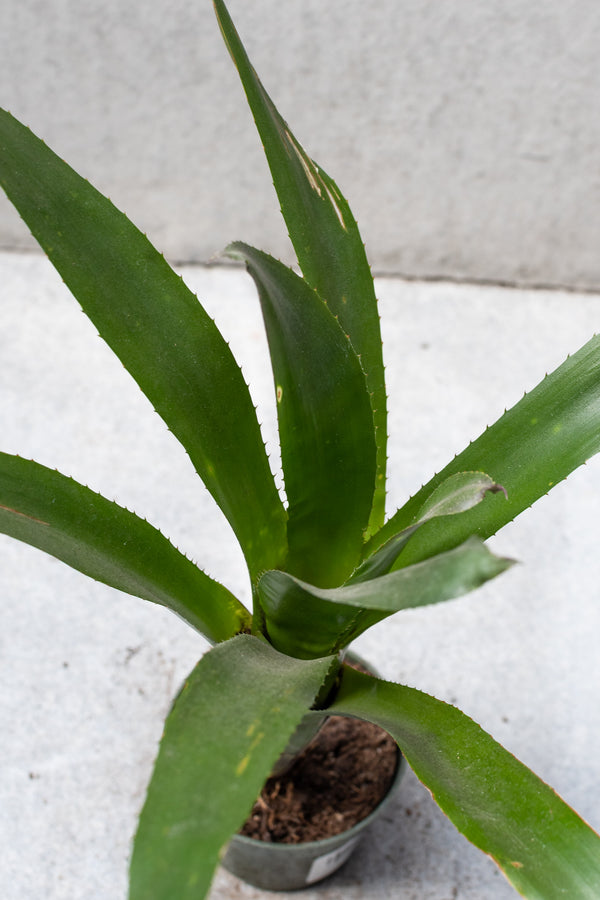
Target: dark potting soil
[[336, 782]]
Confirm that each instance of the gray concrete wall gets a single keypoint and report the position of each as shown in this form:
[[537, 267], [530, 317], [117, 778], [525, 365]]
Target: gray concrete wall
[[464, 133]]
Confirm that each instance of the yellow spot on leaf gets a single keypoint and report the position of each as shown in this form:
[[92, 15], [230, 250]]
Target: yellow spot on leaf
[[242, 765], [279, 393]]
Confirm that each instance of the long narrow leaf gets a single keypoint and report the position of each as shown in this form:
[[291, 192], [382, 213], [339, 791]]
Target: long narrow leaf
[[101, 539], [544, 848], [307, 621], [325, 423], [532, 447], [455, 495], [157, 328], [224, 734], [325, 237]]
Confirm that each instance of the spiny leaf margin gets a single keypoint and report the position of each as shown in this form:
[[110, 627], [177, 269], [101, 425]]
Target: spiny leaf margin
[[326, 430], [543, 847], [326, 239], [536, 444], [157, 328], [96, 536], [219, 745]]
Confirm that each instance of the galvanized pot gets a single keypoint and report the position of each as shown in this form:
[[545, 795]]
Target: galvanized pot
[[286, 867]]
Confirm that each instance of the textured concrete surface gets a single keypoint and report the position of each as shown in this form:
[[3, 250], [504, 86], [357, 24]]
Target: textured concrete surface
[[88, 674], [463, 133]]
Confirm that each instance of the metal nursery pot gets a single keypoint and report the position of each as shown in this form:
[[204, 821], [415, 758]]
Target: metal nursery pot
[[286, 867]]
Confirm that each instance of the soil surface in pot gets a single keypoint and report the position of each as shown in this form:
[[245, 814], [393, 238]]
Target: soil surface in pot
[[336, 782]]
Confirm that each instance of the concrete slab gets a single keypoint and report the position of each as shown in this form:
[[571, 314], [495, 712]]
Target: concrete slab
[[88, 673]]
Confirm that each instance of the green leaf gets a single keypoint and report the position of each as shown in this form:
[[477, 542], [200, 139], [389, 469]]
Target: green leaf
[[532, 447], [101, 539], [545, 850], [308, 622], [225, 732], [325, 423], [455, 495], [157, 328], [325, 237]]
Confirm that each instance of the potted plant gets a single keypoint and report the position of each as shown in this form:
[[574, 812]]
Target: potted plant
[[325, 566]]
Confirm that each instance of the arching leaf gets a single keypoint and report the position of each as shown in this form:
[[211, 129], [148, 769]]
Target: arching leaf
[[307, 621], [326, 239], [457, 494], [532, 447], [222, 737], [157, 328], [544, 848], [101, 539], [325, 423]]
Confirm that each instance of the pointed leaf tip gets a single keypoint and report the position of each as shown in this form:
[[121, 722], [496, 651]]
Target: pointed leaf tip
[[325, 236]]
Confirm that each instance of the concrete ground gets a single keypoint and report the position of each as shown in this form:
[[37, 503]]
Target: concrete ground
[[88, 673]]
